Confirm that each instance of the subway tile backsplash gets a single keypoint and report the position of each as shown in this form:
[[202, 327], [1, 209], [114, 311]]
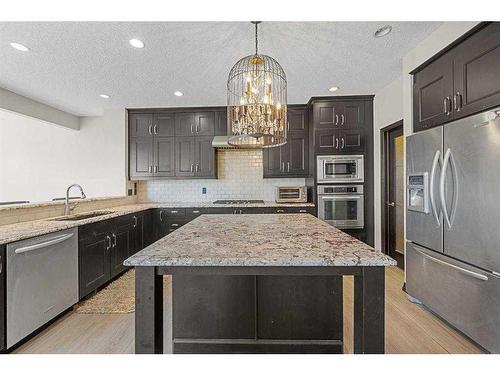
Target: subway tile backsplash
[[239, 177]]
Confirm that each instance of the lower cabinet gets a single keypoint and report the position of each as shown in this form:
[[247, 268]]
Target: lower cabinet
[[102, 248]]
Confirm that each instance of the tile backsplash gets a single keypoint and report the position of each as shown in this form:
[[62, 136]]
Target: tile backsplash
[[239, 177]]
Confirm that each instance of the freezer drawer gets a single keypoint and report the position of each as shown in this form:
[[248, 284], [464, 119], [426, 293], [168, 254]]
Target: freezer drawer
[[42, 281], [464, 296]]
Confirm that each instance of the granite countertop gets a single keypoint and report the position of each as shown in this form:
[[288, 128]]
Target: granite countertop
[[259, 240], [19, 231]]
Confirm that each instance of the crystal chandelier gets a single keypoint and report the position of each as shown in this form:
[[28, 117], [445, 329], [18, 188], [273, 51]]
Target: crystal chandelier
[[256, 101]]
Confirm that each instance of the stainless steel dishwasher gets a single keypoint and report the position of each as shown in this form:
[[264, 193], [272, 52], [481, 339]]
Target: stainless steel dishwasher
[[42, 281]]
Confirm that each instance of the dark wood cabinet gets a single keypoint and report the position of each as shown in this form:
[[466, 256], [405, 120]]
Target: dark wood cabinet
[[164, 124], [221, 122], [121, 248], [291, 159], [328, 141], [463, 80], [338, 114], [184, 124], [184, 156], [204, 157], [140, 124], [433, 94], [3, 297], [204, 123], [164, 156], [141, 157], [476, 72]]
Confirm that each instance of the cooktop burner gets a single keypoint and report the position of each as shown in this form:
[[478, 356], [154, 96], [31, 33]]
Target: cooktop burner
[[238, 201]]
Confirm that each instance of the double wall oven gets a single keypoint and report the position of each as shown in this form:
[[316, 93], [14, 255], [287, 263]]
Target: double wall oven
[[340, 190]]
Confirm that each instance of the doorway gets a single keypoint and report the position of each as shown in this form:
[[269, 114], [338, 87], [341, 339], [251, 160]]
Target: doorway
[[393, 182]]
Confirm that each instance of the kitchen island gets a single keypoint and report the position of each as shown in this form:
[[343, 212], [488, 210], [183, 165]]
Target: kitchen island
[[259, 284]]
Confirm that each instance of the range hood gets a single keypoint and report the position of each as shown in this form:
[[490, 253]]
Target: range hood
[[220, 141]]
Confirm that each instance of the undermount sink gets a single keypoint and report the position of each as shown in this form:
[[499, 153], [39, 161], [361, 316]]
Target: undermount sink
[[77, 217]]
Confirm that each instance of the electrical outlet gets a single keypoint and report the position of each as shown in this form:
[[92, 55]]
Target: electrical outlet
[[203, 190]]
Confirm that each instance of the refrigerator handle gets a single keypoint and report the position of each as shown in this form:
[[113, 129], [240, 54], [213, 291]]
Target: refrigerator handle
[[455, 188], [442, 181], [431, 187]]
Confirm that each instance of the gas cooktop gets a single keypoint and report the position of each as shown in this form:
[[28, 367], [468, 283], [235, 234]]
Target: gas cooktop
[[239, 201]]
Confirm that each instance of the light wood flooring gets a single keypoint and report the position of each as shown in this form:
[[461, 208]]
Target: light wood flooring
[[410, 328]]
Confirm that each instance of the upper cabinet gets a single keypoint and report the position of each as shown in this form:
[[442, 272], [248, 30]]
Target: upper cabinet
[[462, 81], [291, 159], [221, 122], [339, 115], [172, 143]]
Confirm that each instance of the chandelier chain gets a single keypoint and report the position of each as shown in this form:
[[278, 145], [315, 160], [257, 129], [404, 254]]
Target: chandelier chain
[[256, 39]]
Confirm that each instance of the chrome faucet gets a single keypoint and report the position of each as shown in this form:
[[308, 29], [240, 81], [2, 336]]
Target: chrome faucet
[[67, 208]]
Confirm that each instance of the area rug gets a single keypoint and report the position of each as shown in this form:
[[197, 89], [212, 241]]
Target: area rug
[[116, 298]]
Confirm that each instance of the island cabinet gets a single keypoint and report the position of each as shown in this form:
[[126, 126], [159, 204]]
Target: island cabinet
[[102, 248], [173, 143], [291, 159], [463, 80], [3, 312]]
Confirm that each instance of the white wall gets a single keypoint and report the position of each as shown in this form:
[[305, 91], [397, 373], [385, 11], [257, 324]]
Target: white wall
[[387, 109], [38, 160]]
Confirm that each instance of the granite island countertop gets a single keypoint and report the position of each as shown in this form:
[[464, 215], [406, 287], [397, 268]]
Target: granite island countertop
[[259, 240], [28, 229]]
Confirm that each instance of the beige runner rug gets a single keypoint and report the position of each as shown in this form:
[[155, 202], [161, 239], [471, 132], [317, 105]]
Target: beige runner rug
[[116, 298]]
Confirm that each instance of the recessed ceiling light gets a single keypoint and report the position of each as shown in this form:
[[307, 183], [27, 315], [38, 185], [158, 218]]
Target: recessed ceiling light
[[178, 93], [136, 43], [383, 31], [19, 47], [104, 96], [334, 88]]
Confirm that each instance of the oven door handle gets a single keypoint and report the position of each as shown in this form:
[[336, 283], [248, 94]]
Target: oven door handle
[[341, 197]]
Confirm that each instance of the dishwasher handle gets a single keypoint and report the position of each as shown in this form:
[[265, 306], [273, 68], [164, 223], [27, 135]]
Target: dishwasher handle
[[41, 245]]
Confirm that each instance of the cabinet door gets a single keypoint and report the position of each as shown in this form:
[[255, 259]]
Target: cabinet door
[[184, 124], [433, 93], [184, 156], [327, 114], [204, 123], [137, 233], [140, 124], [351, 141], [164, 124], [93, 263], [205, 157], [120, 249], [353, 115], [476, 70], [3, 315], [273, 166], [297, 119], [297, 163], [326, 141], [164, 149], [141, 159], [221, 122]]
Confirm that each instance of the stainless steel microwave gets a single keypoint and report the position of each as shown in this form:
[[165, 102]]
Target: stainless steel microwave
[[340, 168]]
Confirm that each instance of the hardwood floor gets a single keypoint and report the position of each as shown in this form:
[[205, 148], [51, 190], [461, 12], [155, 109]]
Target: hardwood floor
[[410, 328]]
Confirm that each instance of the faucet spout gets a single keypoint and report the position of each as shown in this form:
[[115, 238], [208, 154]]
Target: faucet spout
[[67, 209]]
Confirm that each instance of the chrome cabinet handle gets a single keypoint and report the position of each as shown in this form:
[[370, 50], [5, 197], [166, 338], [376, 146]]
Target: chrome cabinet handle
[[431, 186], [192, 168], [283, 167], [114, 240], [150, 169], [336, 119], [109, 242], [460, 103], [390, 204], [445, 105], [343, 142], [150, 129], [155, 129], [174, 211], [460, 269], [303, 211], [191, 128], [336, 143], [343, 119], [197, 128], [135, 221], [155, 169], [41, 245], [196, 212], [161, 215], [288, 125], [174, 225], [288, 166], [280, 211], [1, 265], [197, 167]]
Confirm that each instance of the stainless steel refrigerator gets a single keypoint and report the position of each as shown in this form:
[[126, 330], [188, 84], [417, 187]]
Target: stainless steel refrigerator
[[453, 224]]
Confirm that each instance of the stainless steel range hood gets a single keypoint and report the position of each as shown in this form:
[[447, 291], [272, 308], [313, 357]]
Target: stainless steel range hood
[[220, 141]]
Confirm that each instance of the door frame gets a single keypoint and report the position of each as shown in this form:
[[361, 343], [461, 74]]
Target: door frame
[[384, 172]]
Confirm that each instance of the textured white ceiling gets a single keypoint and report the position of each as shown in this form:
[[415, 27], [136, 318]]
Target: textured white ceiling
[[71, 63]]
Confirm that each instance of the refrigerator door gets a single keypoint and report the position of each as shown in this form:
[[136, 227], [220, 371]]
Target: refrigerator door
[[424, 221], [471, 190]]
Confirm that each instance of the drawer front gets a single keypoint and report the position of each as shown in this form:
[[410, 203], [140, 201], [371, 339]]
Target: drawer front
[[195, 212], [174, 224], [174, 212], [464, 296]]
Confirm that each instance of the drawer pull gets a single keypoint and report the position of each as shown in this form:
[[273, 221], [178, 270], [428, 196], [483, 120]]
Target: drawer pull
[[460, 269], [174, 225], [279, 211], [174, 212], [196, 212], [303, 211]]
